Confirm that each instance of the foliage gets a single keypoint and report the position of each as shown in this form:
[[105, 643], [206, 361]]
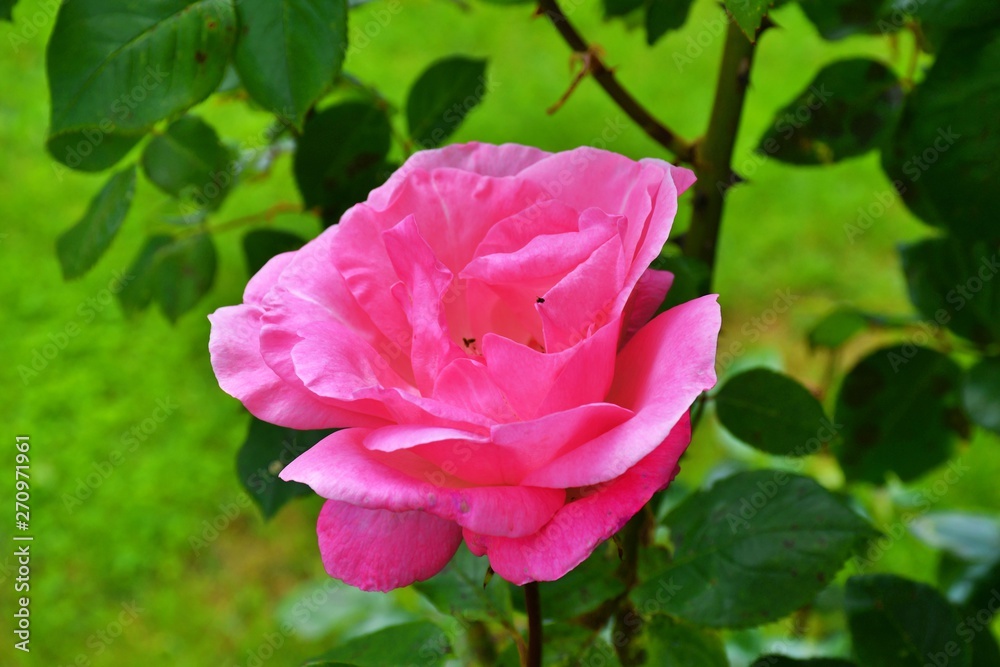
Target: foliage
[[128, 90]]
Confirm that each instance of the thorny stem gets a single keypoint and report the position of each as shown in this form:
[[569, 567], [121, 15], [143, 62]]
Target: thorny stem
[[714, 154], [605, 77]]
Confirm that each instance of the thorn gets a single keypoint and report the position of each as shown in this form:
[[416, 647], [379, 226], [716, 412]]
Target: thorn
[[590, 59], [621, 549], [489, 575]]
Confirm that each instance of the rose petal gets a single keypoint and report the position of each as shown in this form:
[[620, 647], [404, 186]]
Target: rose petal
[[646, 299], [580, 526], [665, 366], [242, 373], [339, 467], [379, 550]]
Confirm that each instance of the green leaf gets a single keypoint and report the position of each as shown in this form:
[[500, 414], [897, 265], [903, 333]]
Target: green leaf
[[837, 327], [114, 71], [138, 292], [410, 643], [772, 412], [189, 161], [80, 246], [836, 19], [442, 96], [185, 271], [981, 393], [968, 585], [952, 283], [751, 549], [679, 644], [748, 14], [584, 588], [896, 410], [847, 110], [260, 245], [266, 450], [6, 7], [458, 590], [290, 51], [614, 8], [662, 16], [784, 661], [566, 645], [971, 537], [942, 157], [898, 622], [341, 156], [947, 15]]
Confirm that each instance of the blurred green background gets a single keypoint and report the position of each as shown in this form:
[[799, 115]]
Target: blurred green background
[[128, 552]]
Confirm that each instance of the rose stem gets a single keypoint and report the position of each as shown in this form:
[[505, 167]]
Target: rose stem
[[604, 76], [533, 605], [714, 154]]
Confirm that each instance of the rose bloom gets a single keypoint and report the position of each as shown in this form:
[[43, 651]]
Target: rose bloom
[[480, 331]]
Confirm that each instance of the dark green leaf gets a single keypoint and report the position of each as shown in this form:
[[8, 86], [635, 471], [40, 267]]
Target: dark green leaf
[[953, 283], [92, 149], [458, 590], [442, 96], [662, 16], [751, 549], [946, 15], [981, 393], [266, 450], [748, 14], [836, 19], [985, 650], [784, 661], [260, 245], [968, 585], [971, 537], [691, 279], [138, 291], [6, 7], [837, 327], [415, 643], [341, 156], [847, 110], [184, 272], [584, 588], [80, 246], [676, 643], [896, 622], [896, 411], [189, 161], [620, 7], [943, 156], [290, 51], [772, 412], [115, 71], [567, 646]]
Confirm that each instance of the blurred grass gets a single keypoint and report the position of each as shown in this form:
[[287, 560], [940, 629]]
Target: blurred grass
[[131, 539]]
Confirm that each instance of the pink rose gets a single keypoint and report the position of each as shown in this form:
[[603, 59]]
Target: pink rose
[[480, 330]]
